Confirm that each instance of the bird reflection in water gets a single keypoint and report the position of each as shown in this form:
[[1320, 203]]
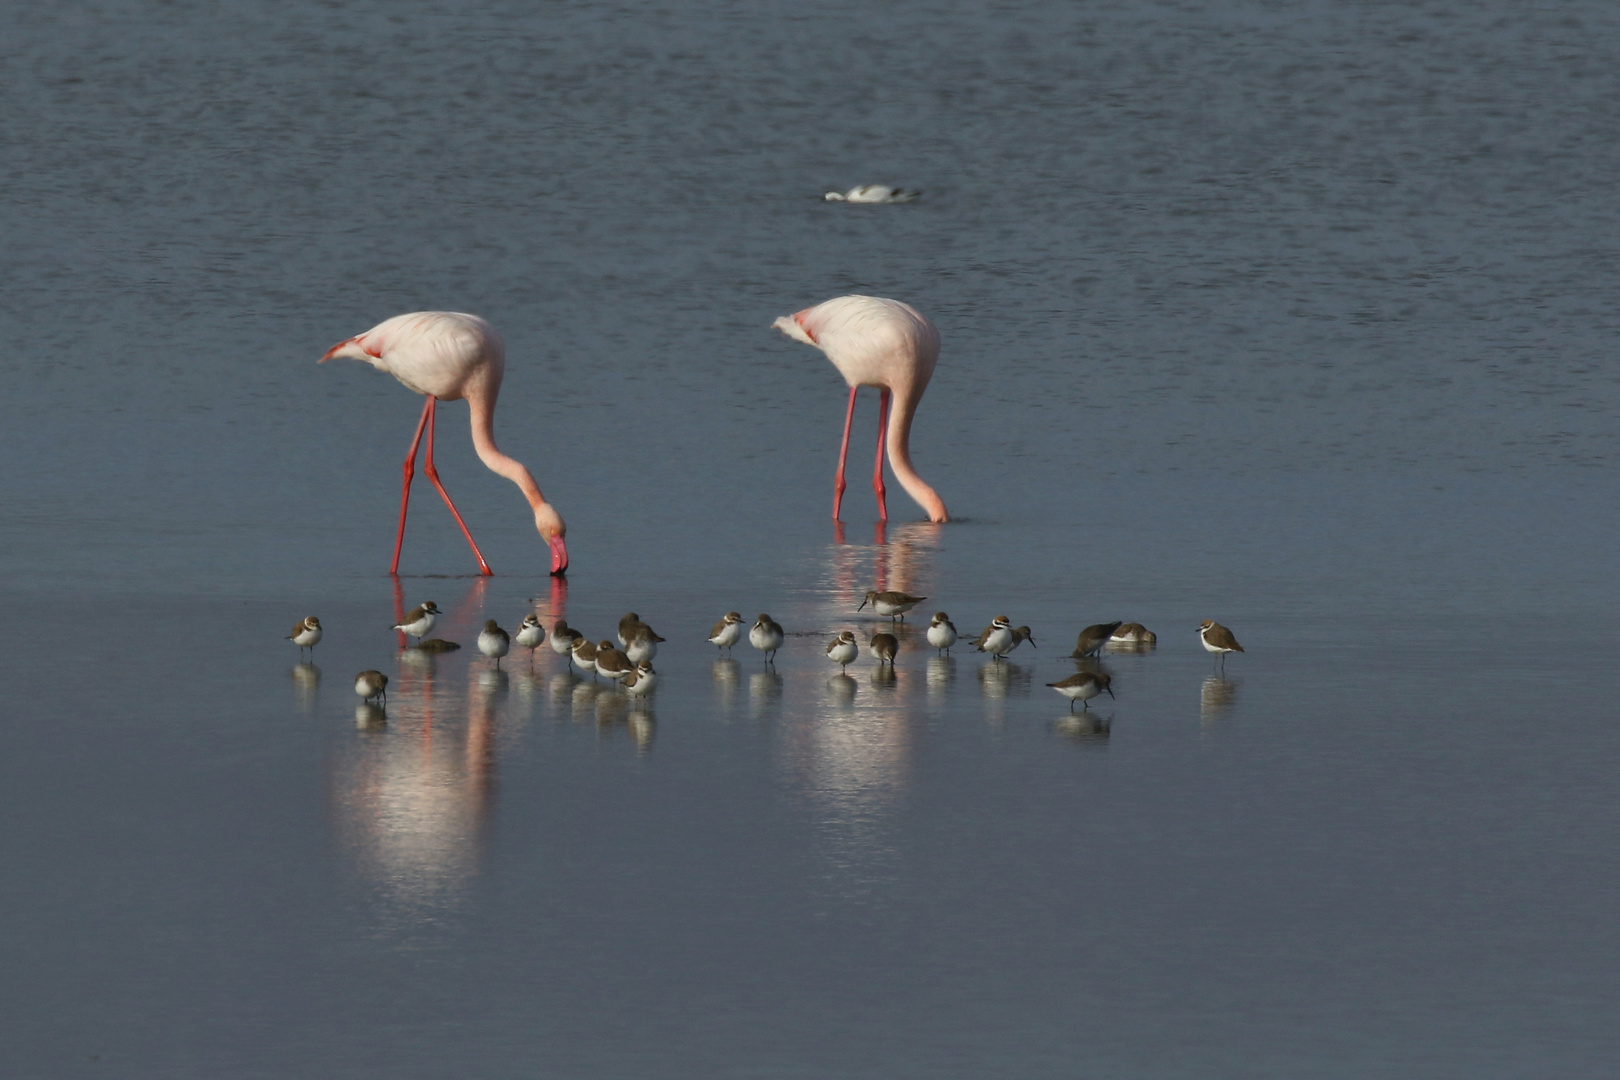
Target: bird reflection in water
[[841, 690], [1087, 730], [726, 674], [998, 681], [369, 716], [1216, 698], [765, 694], [941, 677], [306, 680]]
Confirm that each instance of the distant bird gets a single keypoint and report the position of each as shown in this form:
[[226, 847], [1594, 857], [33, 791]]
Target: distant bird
[[727, 632], [563, 638], [419, 620], [766, 636], [306, 634], [640, 682], [584, 653], [892, 604], [942, 632], [1133, 633], [1082, 686], [371, 684], [494, 642], [872, 193], [884, 646], [842, 650], [1093, 638], [611, 662], [1218, 640], [448, 355], [997, 638], [886, 344], [530, 635]]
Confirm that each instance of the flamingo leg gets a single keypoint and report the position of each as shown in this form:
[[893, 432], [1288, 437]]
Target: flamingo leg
[[877, 469], [843, 455], [405, 496], [433, 475]]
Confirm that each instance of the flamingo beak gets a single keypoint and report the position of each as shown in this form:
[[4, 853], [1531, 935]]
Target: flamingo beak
[[333, 351], [559, 556]]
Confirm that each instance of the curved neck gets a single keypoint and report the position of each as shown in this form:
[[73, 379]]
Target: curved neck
[[899, 449], [482, 409]]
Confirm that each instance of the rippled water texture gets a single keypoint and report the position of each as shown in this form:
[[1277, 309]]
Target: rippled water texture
[[1294, 316]]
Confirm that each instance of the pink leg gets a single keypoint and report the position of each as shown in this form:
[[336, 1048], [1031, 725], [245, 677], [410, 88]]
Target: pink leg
[[877, 469], [843, 455], [433, 475], [405, 496]]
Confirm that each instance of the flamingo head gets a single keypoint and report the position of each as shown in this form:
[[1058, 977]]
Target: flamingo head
[[552, 529], [352, 349]]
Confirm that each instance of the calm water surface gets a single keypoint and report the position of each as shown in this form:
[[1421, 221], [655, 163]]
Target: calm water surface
[[1294, 316]]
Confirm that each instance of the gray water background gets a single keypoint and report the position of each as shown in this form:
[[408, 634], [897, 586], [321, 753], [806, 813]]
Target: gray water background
[[1296, 316]]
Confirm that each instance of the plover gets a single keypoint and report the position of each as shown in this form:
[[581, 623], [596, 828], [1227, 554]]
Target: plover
[[1082, 686], [842, 650], [494, 642], [941, 632], [530, 635], [306, 635], [629, 625], [871, 193], [766, 636], [1133, 633], [418, 621], [1093, 638], [643, 644], [884, 646], [639, 683], [584, 654], [997, 638], [563, 638], [893, 604], [611, 662], [727, 632], [371, 684], [1218, 640]]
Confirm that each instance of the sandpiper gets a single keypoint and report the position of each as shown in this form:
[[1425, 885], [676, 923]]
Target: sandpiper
[[494, 642], [643, 644], [639, 683], [1093, 638], [1218, 639], [306, 634], [371, 684], [893, 604], [1082, 686], [563, 638], [1021, 634], [629, 626], [1133, 633], [942, 632], [584, 653], [766, 636], [530, 635], [884, 646], [842, 650], [418, 621], [727, 632], [997, 638], [611, 662]]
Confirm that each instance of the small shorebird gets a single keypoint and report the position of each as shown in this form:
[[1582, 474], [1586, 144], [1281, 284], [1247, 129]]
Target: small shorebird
[[585, 655], [371, 684], [941, 632], [306, 635], [766, 636], [1133, 633], [629, 626], [1022, 634], [1082, 686], [884, 646], [494, 642], [871, 193], [639, 683], [1218, 640], [530, 635], [643, 644], [843, 650], [418, 621], [563, 638], [611, 662], [727, 632], [997, 638], [893, 604], [1093, 638]]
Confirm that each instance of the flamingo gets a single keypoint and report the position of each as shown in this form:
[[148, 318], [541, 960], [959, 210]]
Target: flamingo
[[446, 355], [886, 344]]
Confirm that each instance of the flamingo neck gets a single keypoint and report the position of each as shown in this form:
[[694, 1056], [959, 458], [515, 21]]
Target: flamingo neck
[[482, 408], [902, 409]]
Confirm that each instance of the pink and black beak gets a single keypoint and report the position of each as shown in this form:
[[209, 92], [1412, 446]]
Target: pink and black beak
[[559, 556]]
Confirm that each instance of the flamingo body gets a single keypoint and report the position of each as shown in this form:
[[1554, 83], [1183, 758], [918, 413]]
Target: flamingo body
[[886, 344], [448, 356]]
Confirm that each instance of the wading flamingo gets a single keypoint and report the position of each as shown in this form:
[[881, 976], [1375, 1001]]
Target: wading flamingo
[[882, 343], [446, 355]]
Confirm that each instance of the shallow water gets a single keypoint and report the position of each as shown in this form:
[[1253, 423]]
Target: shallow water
[[1291, 317]]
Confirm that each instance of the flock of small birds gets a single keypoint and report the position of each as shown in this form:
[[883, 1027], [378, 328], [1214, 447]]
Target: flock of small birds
[[630, 663]]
